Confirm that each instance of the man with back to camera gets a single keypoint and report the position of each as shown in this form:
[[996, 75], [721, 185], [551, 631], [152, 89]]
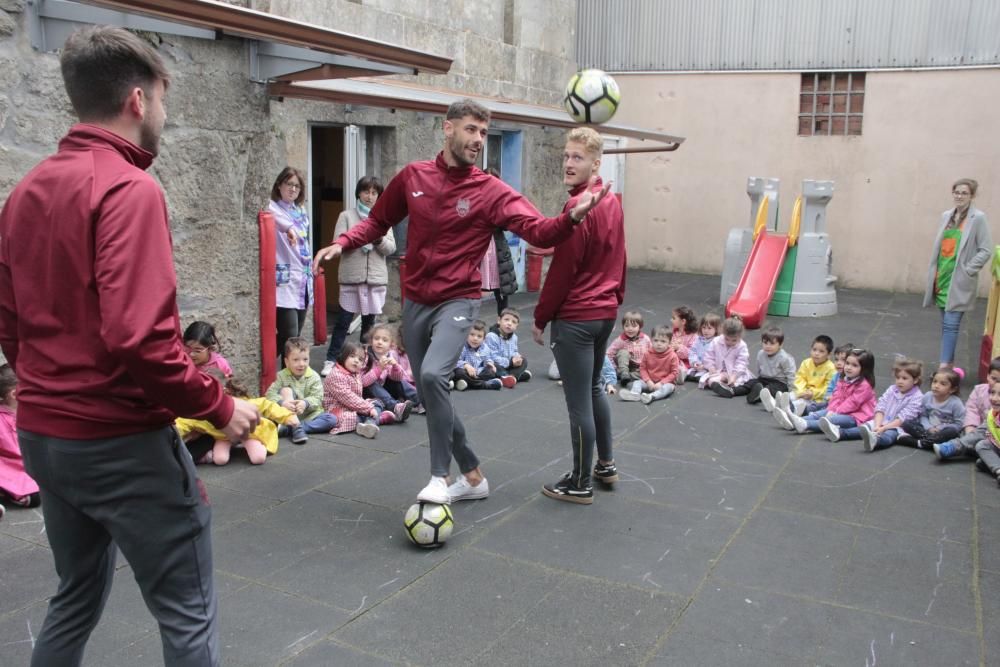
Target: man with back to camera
[[88, 320], [454, 208]]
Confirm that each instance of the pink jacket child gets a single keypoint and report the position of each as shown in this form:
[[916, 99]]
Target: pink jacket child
[[15, 484], [733, 361], [342, 396], [682, 343], [977, 407], [854, 399]]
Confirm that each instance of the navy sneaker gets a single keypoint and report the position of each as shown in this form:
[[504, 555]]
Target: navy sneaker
[[606, 474], [566, 490], [299, 436], [723, 390]]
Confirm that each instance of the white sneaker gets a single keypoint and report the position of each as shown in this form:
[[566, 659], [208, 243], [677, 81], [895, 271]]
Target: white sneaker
[[327, 368], [868, 438], [646, 398], [799, 406], [451, 384], [462, 490], [798, 423], [461, 385], [355, 325], [436, 492], [830, 430], [367, 430], [629, 395], [784, 421], [682, 376], [3, 510], [767, 400], [783, 399]]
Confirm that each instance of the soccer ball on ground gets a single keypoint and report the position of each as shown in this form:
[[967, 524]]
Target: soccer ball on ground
[[428, 525], [592, 96]]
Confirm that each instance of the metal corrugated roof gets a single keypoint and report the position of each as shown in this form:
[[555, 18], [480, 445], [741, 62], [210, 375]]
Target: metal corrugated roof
[[698, 35]]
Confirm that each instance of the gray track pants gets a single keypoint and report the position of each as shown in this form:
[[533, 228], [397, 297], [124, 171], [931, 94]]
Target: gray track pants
[[139, 492], [579, 349], [434, 336]]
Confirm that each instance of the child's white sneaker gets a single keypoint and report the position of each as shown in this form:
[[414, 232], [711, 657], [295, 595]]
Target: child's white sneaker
[[783, 399], [799, 406], [682, 375], [629, 395], [646, 398], [868, 438], [327, 368], [767, 400], [784, 421], [798, 423], [436, 492], [462, 490], [461, 385], [367, 430], [830, 430]]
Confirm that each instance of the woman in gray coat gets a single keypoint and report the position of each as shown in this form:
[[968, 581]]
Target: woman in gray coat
[[363, 274], [963, 246]]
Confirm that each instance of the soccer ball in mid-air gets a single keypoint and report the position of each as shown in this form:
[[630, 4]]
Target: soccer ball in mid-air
[[428, 525], [592, 96]]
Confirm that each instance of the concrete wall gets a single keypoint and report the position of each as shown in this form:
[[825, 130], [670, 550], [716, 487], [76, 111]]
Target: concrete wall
[[922, 130], [224, 141]]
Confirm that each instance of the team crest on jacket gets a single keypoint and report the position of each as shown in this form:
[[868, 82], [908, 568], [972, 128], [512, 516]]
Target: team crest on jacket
[[462, 207]]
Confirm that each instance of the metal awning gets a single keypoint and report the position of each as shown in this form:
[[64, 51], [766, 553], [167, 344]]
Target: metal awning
[[400, 95], [285, 45]]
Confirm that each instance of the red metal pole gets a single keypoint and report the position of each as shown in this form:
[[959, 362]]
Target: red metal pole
[[319, 307], [268, 301]]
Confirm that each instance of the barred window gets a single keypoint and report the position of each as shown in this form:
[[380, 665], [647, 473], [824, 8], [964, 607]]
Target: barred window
[[831, 103]]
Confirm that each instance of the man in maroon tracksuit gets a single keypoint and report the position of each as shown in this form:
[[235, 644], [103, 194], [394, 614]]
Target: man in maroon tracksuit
[[454, 209], [88, 320], [583, 289]]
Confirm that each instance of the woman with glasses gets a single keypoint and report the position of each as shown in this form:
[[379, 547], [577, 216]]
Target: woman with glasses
[[293, 265], [963, 246]]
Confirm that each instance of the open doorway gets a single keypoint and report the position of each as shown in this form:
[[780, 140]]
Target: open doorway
[[326, 178]]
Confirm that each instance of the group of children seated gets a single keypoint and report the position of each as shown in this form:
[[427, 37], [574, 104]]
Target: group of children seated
[[835, 396], [372, 385]]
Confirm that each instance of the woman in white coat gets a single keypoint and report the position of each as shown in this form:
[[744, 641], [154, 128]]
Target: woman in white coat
[[293, 249], [962, 248]]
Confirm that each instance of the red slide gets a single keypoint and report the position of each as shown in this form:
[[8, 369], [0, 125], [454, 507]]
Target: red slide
[[760, 275]]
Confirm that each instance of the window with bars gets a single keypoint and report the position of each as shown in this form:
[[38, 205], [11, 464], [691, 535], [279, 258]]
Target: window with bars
[[831, 103]]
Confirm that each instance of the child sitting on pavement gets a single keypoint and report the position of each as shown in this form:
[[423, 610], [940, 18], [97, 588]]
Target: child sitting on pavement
[[898, 405], [812, 379], [501, 345], [775, 370], [299, 389], [262, 441], [658, 371], [977, 407], [727, 360], [16, 486], [474, 368], [685, 325], [342, 395], [380, 367], [987, 448], [626, 351], [941, 413], [708, 329]]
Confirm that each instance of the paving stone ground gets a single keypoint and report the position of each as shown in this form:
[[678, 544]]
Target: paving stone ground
[[727, 542]]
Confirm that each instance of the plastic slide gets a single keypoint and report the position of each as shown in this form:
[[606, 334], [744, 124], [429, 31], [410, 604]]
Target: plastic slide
[[760, 275]]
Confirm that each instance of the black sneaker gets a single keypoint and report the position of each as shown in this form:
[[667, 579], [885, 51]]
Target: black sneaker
[[606, 474], [284, 431], [723, 390], [564, 489], [299, 436], [982, 466], [525, 376]]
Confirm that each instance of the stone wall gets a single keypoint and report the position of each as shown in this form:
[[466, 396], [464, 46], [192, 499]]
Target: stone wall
[[224, 141]]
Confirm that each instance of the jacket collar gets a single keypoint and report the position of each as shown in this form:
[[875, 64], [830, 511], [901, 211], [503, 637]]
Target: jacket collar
[[580, 187], [452, 172], [84, 136]]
